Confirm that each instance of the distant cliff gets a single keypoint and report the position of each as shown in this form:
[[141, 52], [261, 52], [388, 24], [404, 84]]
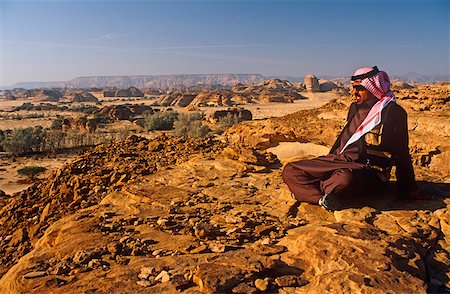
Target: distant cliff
[[165, 82], [149, 81]]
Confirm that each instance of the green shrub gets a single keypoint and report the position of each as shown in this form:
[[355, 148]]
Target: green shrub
[[160, 120], [87, 109], [31, 171], [57, 123], [229, 120], [25, 140], [190, 125]]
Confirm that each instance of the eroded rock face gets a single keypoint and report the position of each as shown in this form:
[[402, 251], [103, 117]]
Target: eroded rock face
[[176, 99], [130, 92], [311, 83], [124, 112], [82, 97]]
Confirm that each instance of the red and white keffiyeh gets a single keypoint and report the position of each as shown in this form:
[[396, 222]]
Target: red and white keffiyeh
[[378, 83]]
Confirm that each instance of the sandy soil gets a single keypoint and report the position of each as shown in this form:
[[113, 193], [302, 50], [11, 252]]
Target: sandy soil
[[11, 181]]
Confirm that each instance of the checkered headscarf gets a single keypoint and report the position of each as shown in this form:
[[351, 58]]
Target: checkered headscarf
[[378, 83]]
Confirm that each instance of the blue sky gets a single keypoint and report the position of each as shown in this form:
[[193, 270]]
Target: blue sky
[[61, 40]]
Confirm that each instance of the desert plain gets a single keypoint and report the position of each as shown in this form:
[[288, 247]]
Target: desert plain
[[136, 210]]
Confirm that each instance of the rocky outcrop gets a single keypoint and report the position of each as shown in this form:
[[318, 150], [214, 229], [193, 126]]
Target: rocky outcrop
[[180, 99], [311, 83], [401, 85], [79, 123], [325, 86], [45, 95], [303, 126], [213, 221], [130, 92], [274, 90], [124, 112], [8, 95], [82, 97], [213, 98], [151, 91]]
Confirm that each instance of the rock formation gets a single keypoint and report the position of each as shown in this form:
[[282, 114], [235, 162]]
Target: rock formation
[[130, 92], [212, 98], [45, 95], [325, 85], [124, 112], [79, 123], [311, 83], [82, 97], [181, 99]]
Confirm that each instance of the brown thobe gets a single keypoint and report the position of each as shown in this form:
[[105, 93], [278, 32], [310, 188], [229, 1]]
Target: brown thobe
[[350, 173]]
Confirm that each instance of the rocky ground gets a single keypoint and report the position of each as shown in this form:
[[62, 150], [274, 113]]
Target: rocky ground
[[172, 214]]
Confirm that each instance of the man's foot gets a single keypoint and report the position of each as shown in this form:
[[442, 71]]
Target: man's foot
[[293, 196], [330, 202]]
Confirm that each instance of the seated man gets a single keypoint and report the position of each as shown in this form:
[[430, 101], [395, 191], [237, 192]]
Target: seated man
[[374, 139]]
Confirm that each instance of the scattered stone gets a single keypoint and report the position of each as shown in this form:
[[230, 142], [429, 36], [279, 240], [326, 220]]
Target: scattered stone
[[146, 272], [157, 252], [144, 283], [33, 275], [217, 247], [268, 249], [45, 213], [162, 222], [261, 284], [213, 278], [55, 282], [108, 214], [61, 268], [199, 249], [114, 248], [290, 281], [122, 260], [244, 288], [163, 276], [82, 257], [180, 282], [18, 237]]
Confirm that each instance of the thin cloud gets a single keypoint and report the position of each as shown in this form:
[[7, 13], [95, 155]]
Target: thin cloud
[[110, 36]]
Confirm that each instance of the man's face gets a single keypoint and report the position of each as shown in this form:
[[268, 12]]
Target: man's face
[[360, 93]]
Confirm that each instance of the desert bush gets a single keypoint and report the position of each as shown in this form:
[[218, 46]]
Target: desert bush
[[31, 171], [26, 140], [229, 120], [87, 109], [23, 116], [55, 140], [25, 106], [57, 123], [190, 125], [160, 120]]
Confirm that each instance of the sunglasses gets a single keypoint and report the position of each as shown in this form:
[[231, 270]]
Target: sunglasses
[[359, 87]]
